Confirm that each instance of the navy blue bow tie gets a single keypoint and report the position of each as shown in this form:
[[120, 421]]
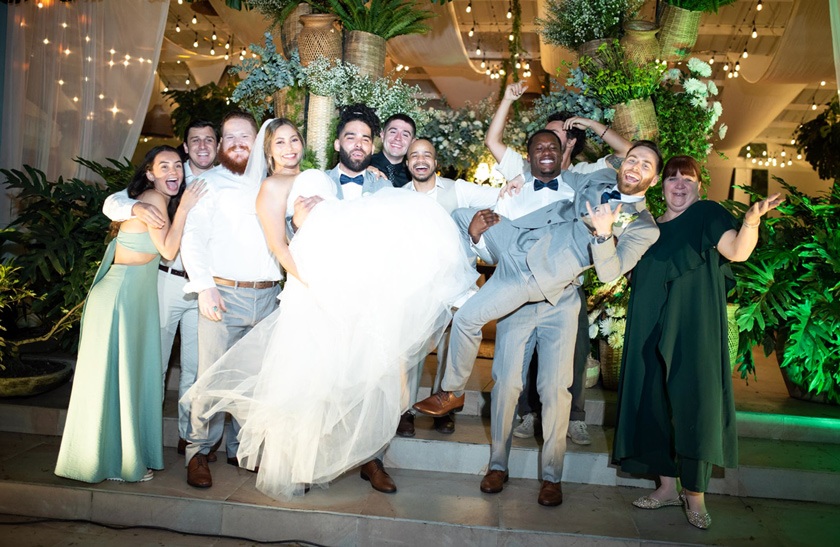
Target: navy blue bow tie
[[551, 185], [358, 179], [607, 196]]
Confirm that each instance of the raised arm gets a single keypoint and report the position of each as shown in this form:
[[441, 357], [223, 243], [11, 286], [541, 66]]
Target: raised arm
[[119, 207], [738, 245], [271, 211], [493, 138], [167, 239], [619, 144]]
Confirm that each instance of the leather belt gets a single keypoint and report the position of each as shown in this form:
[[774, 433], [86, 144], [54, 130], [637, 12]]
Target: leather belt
[[173, 271], [245, 284]]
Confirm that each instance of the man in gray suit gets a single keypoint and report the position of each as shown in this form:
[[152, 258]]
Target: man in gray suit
[[540, 256]]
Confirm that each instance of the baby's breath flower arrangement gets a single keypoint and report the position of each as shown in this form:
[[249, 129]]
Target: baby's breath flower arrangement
[[570, 23]]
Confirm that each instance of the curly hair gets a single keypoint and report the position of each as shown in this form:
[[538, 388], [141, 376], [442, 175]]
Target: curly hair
[[358, 112]]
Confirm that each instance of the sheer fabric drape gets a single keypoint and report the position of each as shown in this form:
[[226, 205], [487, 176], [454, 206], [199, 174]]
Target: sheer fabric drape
[[78, 79]]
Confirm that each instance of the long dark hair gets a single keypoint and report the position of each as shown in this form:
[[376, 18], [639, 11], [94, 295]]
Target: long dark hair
[[140, 183]]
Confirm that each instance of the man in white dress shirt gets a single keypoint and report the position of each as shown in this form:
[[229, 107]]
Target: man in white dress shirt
[[421, 159], [176, 307], [233, 272]]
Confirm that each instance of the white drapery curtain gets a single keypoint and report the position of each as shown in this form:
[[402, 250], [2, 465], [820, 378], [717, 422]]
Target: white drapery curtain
[[78, 79]]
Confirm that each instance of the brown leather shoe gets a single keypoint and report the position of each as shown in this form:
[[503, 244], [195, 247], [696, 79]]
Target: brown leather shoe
[[445, 424], [551, 494], [182, 446], [440, 404], [375, 473], [406, 426], [494, 481], [198, 473]]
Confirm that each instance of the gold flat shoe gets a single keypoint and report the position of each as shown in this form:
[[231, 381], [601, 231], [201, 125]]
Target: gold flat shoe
[[647, 502], [698, 520]]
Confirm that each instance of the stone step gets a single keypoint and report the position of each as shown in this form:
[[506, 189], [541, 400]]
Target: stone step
[[431, 507]]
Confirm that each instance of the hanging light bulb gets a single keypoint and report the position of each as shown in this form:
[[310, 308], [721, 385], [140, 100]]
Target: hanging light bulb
[[227, 45], [212, 50], [195, 42], [712, 59], [194, 20], [469, 7], [227, 55], [792, 141], [178, 25], [187, 81], [729, 74], [487, 72], [509, 14], [758, 6], [813, 106], [214, 33], [754, 32], [502, 71], [518, 65], [737, 66], [726, 66], [483, 63], [478, 49], [822, 83], [510, 37], [735, 74], [471, 32], [527, 65], [745, 54], [799, 156], [242, 55], [790, 162]]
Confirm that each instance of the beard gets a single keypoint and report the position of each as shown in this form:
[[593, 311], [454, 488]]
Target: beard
[[423, 178], [355, 166], [232, 164]]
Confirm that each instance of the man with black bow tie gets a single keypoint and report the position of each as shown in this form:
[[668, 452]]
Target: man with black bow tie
[[354, 143], [539, 258]]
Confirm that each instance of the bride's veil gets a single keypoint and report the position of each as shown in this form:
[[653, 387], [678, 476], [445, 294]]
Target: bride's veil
[[257, 168]]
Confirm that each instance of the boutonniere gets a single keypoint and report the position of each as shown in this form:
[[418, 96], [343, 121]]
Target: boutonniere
[[624, 219]]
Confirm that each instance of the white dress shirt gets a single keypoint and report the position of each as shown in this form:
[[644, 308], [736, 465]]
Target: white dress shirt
[[467, 194], [223, 237]]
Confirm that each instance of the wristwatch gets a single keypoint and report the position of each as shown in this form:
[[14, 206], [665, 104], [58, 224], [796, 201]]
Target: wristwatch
[[602, 239]]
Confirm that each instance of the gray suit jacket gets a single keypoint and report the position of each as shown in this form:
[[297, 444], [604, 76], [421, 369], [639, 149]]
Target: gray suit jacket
[[565, 246], [372, 182]]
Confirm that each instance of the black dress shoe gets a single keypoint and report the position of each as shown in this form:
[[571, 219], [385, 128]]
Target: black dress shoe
[[406, 425], [379, 479], [445, 424]]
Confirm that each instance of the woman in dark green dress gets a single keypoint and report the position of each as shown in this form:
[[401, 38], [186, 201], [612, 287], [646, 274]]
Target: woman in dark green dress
[[676, 412]]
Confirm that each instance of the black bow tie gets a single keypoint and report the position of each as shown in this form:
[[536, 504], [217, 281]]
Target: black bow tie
[[551, 185], [358, 179], [607, 196]]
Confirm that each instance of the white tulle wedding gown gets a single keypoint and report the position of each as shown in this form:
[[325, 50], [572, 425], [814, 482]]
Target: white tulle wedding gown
[[318, 385]]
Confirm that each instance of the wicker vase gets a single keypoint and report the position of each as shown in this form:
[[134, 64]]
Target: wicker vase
[[319, 116], [290, 30], [639, 41], [610, 365], [319, 38], [732, 334], [679, 32], [636, 120], [366, 51], [590, 49]]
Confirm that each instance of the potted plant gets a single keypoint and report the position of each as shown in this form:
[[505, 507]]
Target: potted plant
[[573, 23], [687, 114], [787, 293], [625, 86], [606, 305], [679, 21], [370, 24], [56, 243]]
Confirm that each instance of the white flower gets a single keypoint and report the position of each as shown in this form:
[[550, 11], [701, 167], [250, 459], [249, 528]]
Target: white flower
[[722, 131], [713, 90], [717, 109], [695, 87], [672, 74], [607, 326], [701, 68], [593, 330], [616, 340]]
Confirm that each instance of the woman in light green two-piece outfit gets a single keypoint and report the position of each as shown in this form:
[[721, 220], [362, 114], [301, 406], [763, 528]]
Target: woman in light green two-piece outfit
[[114, 427]]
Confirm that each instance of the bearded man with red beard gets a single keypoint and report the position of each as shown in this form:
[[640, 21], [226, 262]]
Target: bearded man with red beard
[[232, 270]]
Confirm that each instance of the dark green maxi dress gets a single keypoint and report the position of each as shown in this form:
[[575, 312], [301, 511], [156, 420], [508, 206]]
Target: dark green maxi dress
[[114, 427], [675, 390]]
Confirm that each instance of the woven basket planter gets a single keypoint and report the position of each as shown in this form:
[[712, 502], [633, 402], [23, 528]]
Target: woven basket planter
[[291, 27], [732, 334], [610, 365], [319, 37], [639, 41], [590, 49], [679, 32], [366, 51], [319, 116], [636, 120]]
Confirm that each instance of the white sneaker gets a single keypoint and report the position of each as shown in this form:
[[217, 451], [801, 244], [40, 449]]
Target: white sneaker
[[525, 429], [578, 432]]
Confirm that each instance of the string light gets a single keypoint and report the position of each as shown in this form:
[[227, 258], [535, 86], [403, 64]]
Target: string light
[[822, 83], [471, 32], [227, 45], [813, 106], [483, 63], [745, 54], [737, 66], [214, 37], [726, 66], [227, 56], [212, 50], [194, 20], [178, 25], [478, 49], [187, 81], [510, 37], [195, 42], [469, 7], [758, 6], [509, 13], [754, 31]]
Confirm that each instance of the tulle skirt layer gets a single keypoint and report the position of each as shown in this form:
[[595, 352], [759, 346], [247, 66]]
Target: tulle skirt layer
[[318, 386]]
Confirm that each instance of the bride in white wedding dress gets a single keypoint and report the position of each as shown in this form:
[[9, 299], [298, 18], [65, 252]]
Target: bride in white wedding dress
[[318, 385]]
